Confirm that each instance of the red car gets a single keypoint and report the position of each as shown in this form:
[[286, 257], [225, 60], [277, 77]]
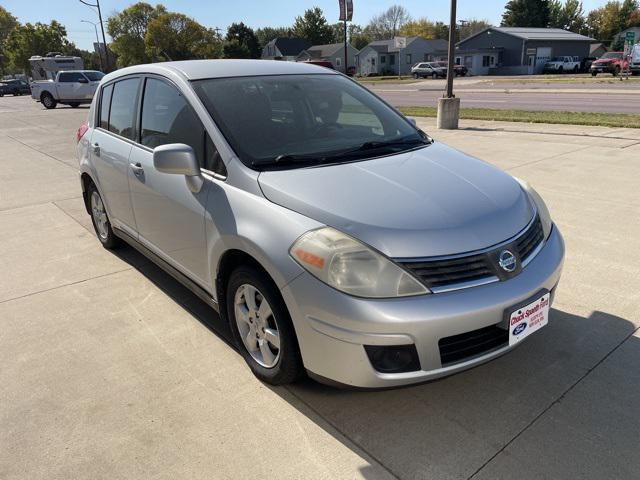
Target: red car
[[611, 62]]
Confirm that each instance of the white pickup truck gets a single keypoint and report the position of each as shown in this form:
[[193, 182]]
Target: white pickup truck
[[71, 87], [564, 64]]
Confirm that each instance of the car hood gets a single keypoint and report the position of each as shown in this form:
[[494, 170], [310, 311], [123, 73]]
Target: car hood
[[428, 202], [604, 60]]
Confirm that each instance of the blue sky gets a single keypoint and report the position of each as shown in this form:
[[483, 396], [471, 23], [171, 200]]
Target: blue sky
[[255, 13]]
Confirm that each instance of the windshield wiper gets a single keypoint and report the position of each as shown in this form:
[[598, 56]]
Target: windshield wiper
[[287, 160]]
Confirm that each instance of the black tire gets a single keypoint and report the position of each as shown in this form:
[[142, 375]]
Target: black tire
[[48, 101], [109, 240], [576, 69], [434, 76], [1, 94], [288, 366], [561, 70], [416, 76], [74, 104], [593, 74], [616, 71]]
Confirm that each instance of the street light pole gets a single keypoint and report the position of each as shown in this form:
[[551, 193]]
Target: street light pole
[[104, 38], [449, 105], [95, 27], [452, 49]]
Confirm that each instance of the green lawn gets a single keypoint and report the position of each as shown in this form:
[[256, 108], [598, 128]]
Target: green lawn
[[621, 120]]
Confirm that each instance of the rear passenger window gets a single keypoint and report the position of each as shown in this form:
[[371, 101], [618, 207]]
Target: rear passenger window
[[105, 103], [70, 77], [168, 118], [123, 107]]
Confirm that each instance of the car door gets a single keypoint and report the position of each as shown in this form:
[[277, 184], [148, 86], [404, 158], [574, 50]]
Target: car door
[[169, 216], [111, 144], [68, 86]]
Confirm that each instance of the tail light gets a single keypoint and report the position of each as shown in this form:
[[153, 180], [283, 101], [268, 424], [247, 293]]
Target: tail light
[[81, 131]]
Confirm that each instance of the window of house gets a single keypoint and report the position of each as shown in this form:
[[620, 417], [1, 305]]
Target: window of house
[[488, 60], [383, 59], [458, 61], [123, 107], [373, 62], [168, 118], [338, 61], [408, 59], [392, 59]]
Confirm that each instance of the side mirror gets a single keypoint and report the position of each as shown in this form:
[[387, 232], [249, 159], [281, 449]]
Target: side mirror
[[412, 120], [179, 159]]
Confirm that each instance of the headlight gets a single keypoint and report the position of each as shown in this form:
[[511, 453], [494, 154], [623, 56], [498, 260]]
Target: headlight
[[541, 207], [351, 267]]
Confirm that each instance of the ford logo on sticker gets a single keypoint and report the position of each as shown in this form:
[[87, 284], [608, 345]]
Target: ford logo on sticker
[[520, 328]]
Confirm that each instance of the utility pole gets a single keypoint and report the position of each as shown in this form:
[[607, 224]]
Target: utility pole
[[346, 15], [449, 105], [104, 38]]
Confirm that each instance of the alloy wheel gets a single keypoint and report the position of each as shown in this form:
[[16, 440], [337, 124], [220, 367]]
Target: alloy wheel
[[257, 325], [99, 215]]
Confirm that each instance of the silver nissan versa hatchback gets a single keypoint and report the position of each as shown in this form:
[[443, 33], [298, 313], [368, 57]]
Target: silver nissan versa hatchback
[[334, 236]]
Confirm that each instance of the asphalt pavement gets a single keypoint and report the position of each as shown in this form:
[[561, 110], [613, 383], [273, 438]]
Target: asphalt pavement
[[110, 369], [616, 97]]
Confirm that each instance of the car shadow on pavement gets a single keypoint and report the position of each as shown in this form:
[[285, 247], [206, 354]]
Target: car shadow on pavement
[[534, 404]]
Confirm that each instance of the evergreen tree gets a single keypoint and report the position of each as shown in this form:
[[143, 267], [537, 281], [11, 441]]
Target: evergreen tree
[[526, 13]]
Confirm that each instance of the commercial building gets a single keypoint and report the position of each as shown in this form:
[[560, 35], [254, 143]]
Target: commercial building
[[518, 50]]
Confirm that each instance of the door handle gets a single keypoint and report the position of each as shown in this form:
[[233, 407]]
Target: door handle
[[96, 149], [137, 168]]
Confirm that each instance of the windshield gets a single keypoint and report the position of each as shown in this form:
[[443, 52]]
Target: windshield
[[94, 76], [557, 59], [612, 55], [288, 121]]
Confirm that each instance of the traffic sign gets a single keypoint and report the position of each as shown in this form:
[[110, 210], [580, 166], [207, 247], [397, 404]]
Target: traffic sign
[[630, 37]]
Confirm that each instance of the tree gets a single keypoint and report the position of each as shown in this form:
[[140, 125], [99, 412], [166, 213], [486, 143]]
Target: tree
[[526, 13], [388, 24], [353, 30], [246, 38], [7, 23], [313, 27], [471, 27], [568, 16], [266, 34], [29, 39], [606, 22], [174, 36], [128, 30], [235, 49]]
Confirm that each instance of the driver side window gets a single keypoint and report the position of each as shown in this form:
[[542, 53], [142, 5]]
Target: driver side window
[[168, 118]]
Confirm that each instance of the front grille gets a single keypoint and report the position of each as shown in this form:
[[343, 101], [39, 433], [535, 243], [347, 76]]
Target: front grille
[[528, 242], [458, 272], [458, 348]]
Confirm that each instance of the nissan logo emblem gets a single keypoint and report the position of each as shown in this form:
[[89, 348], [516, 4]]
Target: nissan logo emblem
[[507, 261]]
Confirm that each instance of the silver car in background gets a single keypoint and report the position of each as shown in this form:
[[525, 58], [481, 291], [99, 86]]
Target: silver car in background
[[334, 236]]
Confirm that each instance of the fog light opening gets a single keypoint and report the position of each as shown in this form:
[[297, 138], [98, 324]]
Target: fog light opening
[[393, 359]]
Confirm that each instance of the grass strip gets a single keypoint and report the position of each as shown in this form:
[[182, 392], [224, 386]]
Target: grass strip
[[617, 120]]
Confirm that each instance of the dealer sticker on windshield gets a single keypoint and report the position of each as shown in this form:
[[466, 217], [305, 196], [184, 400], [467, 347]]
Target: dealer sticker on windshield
[[528, 319]]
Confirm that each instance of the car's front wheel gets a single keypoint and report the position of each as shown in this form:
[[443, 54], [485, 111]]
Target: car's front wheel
[[262, 327], [100, 219]]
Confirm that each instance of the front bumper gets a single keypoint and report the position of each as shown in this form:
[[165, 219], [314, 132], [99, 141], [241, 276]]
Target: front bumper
[[332, 327], [608, 68]]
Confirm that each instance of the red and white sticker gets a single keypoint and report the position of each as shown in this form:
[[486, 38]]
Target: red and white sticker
[[528, 319]]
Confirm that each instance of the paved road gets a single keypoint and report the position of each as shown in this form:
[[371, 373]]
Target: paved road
[[110, 369], [578, 98]]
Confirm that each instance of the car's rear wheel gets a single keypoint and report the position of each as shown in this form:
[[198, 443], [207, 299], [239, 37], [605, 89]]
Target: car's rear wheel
[[100, 219], [262, 327], [576, 69], [48, 101], [593, 74], [415, 75]]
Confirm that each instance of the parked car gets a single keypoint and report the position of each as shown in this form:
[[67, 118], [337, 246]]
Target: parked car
[[458, 70], [14, 87], [333, 235], [562, 64], [71, 87], [634, 66], [610, 62], [428, 69]]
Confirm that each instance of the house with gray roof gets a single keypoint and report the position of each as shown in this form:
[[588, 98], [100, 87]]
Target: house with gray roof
[[382, 57], [518, 50], [333, 52], [284, 48]]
